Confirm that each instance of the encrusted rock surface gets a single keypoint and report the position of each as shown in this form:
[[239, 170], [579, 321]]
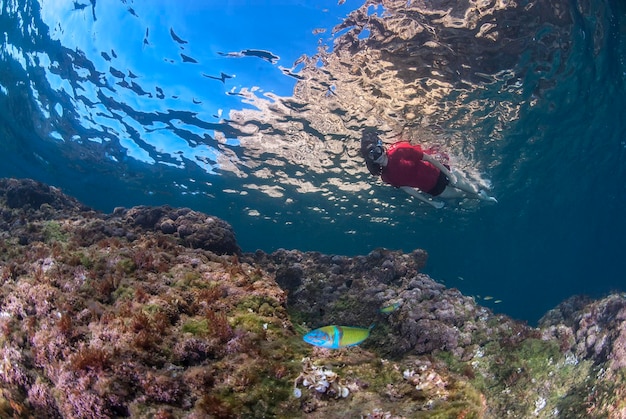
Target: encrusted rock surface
[[25, 201], [340, 290], [594, 330], [156, 312]]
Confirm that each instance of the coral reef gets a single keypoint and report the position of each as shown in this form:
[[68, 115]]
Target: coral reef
[[156, 312]]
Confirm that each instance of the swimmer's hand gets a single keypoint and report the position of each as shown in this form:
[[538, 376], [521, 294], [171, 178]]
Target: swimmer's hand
[[415, 193]]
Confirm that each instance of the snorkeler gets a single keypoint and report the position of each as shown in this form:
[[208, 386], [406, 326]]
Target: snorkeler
[[416, 172]]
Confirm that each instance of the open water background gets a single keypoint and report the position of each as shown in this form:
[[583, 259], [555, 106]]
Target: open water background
[[69, 118]]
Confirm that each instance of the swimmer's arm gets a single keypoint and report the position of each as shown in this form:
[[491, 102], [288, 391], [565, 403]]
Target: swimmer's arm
[[417, 194], [438, 165]]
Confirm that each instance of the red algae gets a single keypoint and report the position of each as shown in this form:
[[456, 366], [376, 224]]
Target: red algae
[[94, 319]]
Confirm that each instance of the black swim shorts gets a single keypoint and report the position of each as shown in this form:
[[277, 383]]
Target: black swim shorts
[[442, 182]]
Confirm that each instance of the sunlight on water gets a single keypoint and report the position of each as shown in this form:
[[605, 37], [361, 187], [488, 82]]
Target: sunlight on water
[[148, 101]]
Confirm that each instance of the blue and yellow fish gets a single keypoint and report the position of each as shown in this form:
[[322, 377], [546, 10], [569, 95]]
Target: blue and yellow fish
[[335, 337]]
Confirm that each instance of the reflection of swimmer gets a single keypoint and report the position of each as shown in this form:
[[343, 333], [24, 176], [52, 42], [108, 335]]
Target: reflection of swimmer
[[416, 172]]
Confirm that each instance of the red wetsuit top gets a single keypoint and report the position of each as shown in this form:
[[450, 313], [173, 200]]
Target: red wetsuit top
[[406, 168]]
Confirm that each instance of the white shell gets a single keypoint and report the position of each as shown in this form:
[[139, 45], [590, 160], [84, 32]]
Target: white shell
[[345, 392], [322, 386], [297, 393], [330, 376], [305, 382]]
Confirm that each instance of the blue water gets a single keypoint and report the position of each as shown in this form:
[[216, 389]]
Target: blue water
[[128, 104]]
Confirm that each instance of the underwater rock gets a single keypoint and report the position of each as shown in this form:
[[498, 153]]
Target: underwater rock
[[104, 317], [155, 312], [582, 347], [595, 330], [289, 277], [29, 209], [330, 290], [195, 229], [30, 194], [27, 205], [337, 289]]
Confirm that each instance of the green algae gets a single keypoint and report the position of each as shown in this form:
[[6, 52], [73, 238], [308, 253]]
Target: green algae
[[347, 303], [531, 378], [256, 389], [196, 327], [262, 395], [124, 292], [189, 280], [256, 303], [126, 266], [79, 257], [249, 321], [53, 232]]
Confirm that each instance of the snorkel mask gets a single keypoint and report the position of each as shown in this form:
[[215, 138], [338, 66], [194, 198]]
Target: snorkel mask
[[377, 151]]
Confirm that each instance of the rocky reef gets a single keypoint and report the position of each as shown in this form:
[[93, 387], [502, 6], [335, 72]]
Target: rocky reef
[[156, 312]]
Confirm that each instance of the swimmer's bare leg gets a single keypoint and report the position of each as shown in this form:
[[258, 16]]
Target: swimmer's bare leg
[[453, 193], [461, 183]]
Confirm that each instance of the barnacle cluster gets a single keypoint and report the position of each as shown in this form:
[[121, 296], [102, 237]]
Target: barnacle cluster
[[427, 380], [320, 379]]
